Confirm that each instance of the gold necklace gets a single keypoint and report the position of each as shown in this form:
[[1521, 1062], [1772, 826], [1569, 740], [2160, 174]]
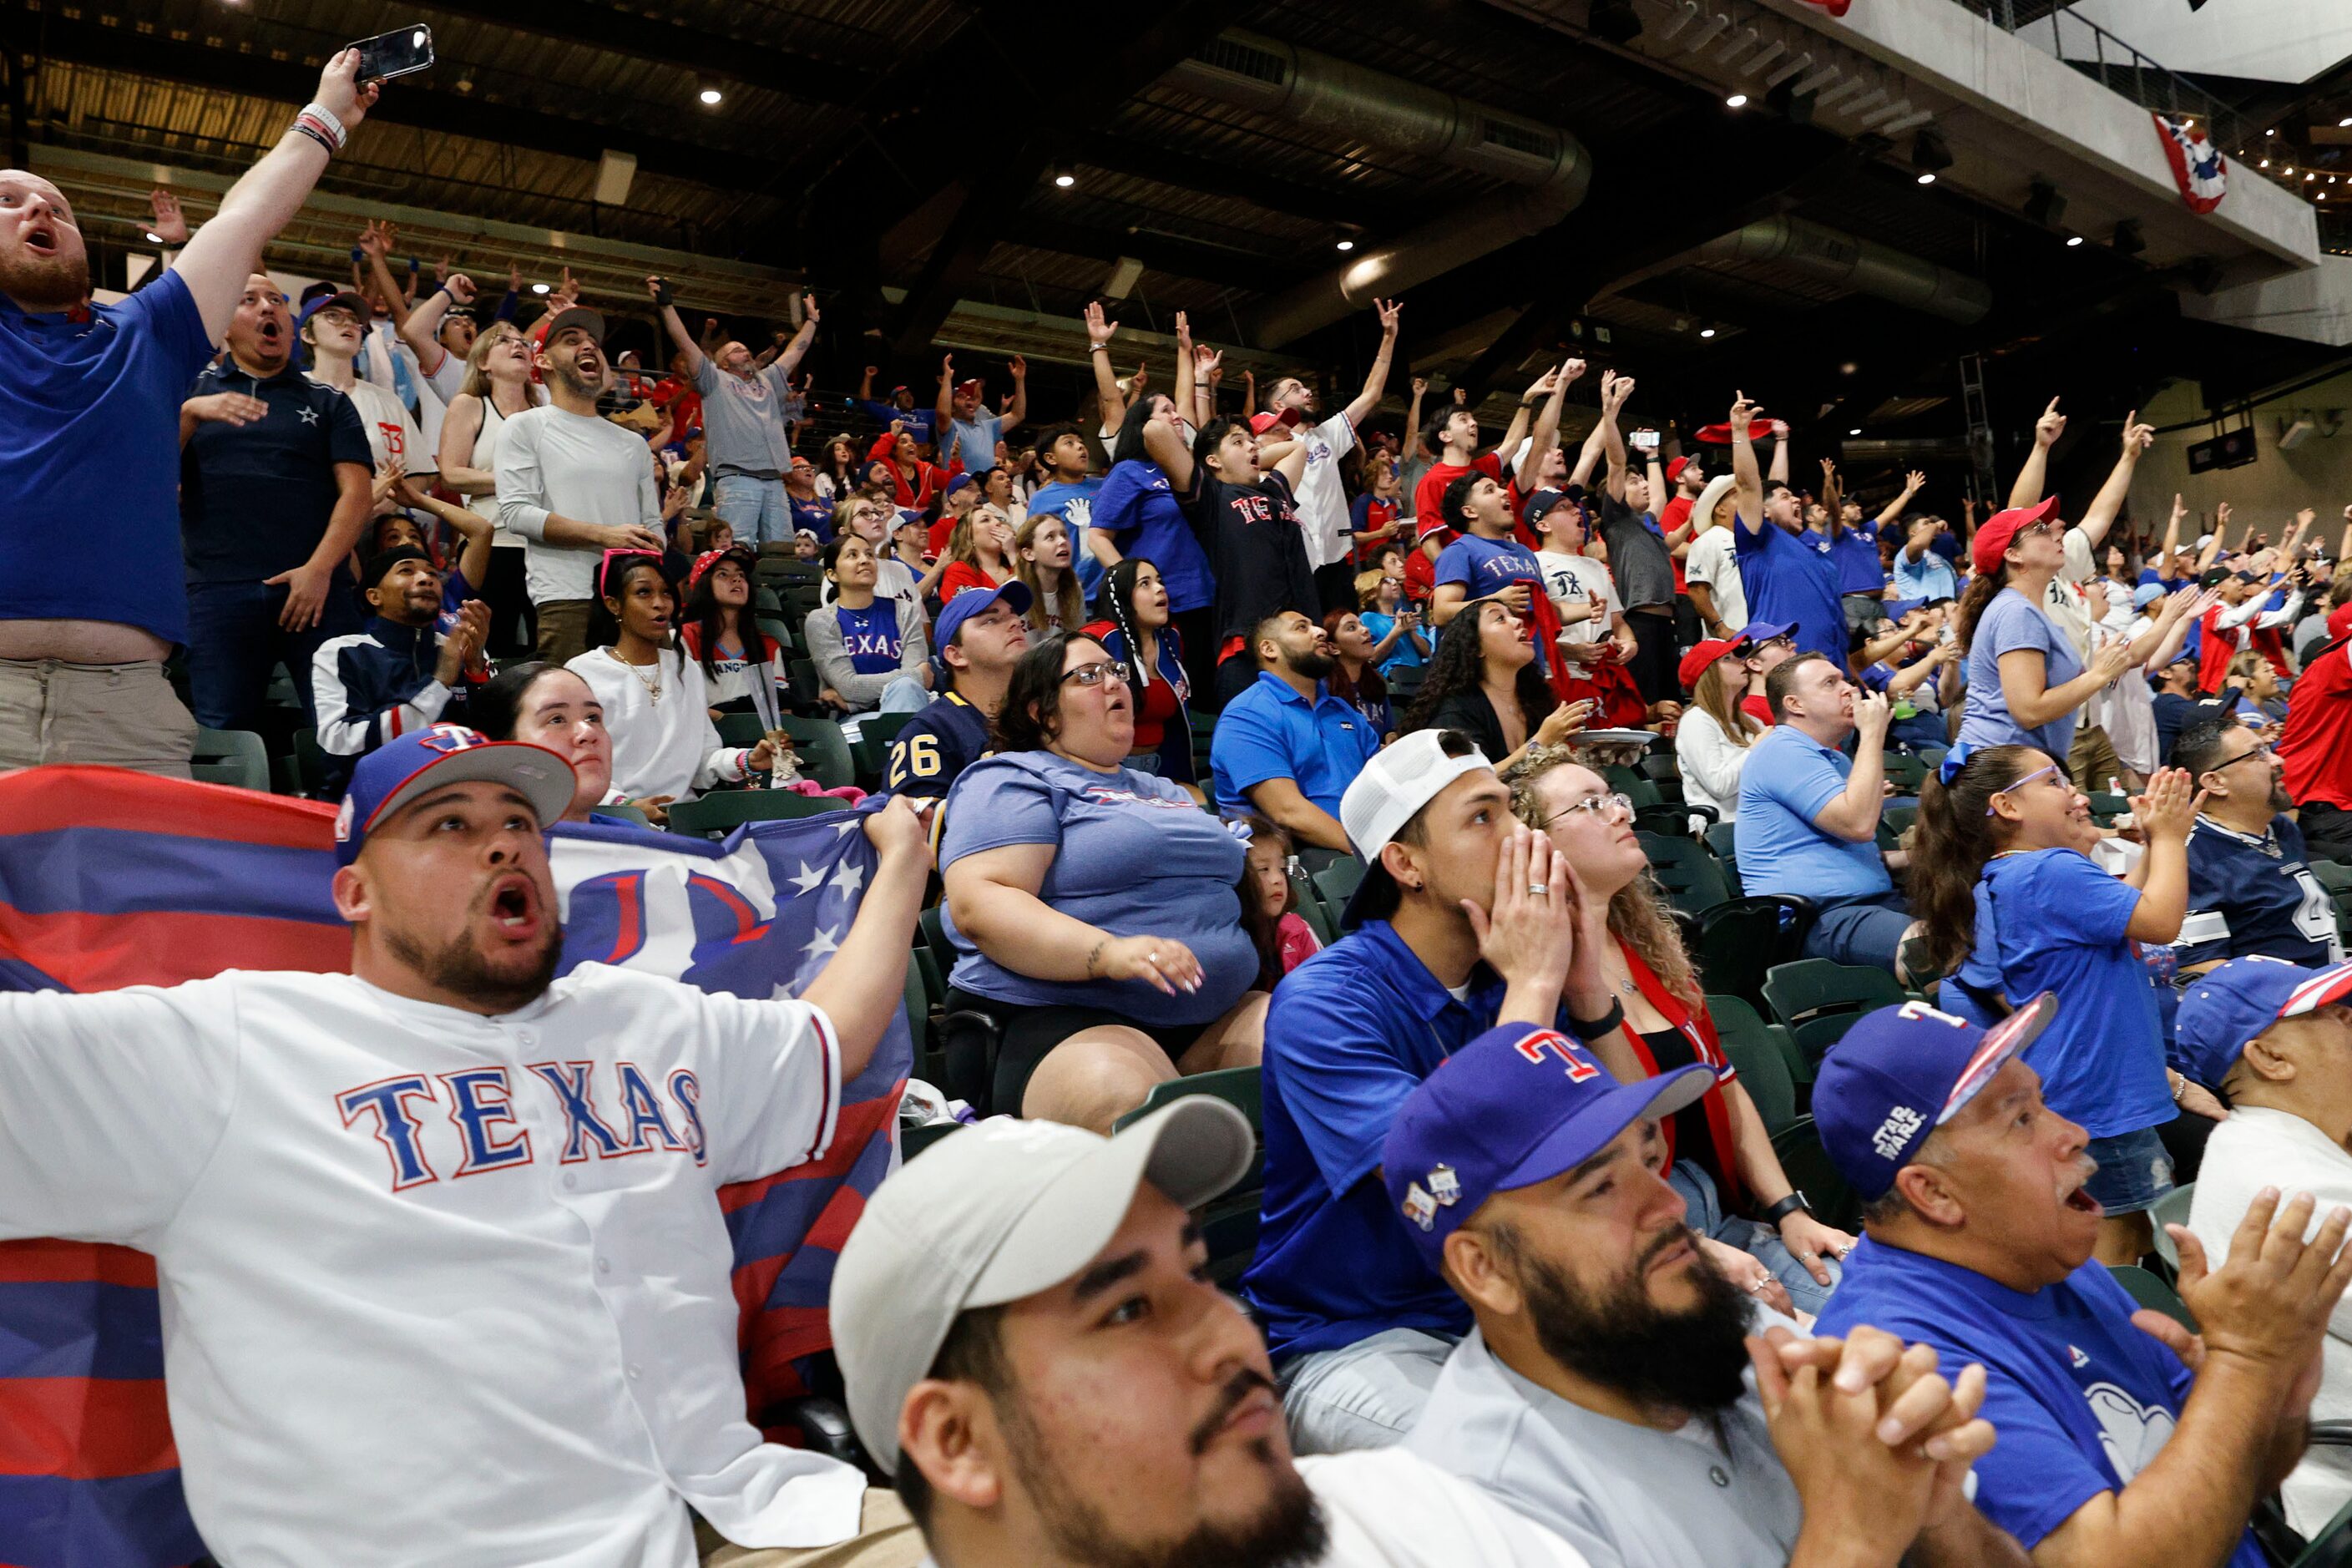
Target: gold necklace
[[654, 687]]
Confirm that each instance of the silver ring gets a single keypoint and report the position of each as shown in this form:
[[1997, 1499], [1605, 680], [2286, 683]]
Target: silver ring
[[1537, 889], [1152, 958]]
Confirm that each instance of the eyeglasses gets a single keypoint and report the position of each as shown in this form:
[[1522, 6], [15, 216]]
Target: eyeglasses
[[1095, 674], [2038, 772], [2032, 529], [2261, 749], [1598, 804]]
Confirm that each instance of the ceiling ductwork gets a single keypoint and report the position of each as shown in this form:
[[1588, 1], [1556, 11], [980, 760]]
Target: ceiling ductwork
[[1334, 97], [1861, 265]]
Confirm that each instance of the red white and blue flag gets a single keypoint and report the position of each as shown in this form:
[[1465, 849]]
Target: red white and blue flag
[[2197, 166], [112, 878]]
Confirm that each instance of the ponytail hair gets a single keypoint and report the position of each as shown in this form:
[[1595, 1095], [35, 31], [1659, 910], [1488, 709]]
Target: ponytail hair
[[1974, 602], [1953, 836]]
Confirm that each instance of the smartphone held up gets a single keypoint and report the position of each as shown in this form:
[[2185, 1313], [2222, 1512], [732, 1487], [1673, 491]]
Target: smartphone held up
[[403, 51]]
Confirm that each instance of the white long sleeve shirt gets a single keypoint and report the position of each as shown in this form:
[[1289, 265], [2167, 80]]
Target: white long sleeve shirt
[[438, 1288], [664, 745], [576, 466], [1711, 762]]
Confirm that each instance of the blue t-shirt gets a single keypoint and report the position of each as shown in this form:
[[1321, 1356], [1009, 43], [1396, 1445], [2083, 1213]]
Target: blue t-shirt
[[1133, 856], [1269, 731], [2249, 896], [1075, 505], [1145, 517], [2083, 1401], [870, 636], [2049, 919], [89, 459], [2010, 623], [1486, 567], [1788, 779], [815, 514], [1350, 1034], [915, 422], [1789, 581], [1929, 578], [1403, 654], [2149, 576], [1854, 554]]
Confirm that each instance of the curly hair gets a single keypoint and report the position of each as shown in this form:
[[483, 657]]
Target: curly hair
[[1460, 666], [1638, 912]]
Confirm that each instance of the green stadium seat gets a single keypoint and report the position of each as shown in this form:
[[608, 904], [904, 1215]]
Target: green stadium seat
[[716, 815], [818, 743], [235, 757], [1311, 909], [1808, 1167], [1756, 1057], [1338, 882], [1691, 878], [2170, 1209], [2149, 1289], [1906, 773], [626, 813], [1718, 837], [1820, 1000], [776, 631]]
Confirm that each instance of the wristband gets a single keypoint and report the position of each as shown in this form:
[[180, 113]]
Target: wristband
[[317, 136], [1590, 1029], [328, 120], [1097, 348]]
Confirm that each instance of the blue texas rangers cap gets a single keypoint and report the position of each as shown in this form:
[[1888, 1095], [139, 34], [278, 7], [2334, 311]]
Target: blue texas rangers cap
[[399, 771], [1755, 634], [1515, 1106], [971, 602], [1900, 1073], [2225, 1007]]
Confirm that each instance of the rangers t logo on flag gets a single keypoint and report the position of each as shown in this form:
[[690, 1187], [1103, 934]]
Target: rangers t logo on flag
[[2197, 166]]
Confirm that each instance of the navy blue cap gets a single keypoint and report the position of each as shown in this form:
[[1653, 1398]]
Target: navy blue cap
[[1762, 632], [1542, 501], [2225, 1007], [1515, 1106], [399, 771], [1900, 1073], [358, 307], [971, 602]]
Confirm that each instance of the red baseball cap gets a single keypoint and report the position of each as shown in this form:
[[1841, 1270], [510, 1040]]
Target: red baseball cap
[[1695, 662], [1992, 538], [1262, 423], [969, 388], [1674, 470]]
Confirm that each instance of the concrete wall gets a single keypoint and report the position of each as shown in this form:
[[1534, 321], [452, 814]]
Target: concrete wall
[[2265, 493]]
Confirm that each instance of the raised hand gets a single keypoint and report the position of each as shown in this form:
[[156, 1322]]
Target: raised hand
[[2181, 508], [1100, 330], [1421, 389], [1183, 336], [514, 276], [1872, 714], [1571, 371], [1913, 482], [2050, 427], [1742, 414], [2269, 1300], [461, 288], [809, 312], [1829, 470], [1018, 366], [342, 93], [171, 223], [946, 370], [376, 238], [1614, 397], [2168, 808], [1387, 311], [2137, 437]]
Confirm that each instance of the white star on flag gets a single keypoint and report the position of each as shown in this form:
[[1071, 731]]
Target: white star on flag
[[808, 878], [848, 878], [822, 943]]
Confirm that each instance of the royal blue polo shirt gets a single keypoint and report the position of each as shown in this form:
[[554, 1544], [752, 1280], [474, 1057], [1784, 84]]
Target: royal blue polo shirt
[[255, 500], [1854, 552], [1788, 580], [1270, 731], [89, 459], [1788, 779], [1350, 1034], [2083, 1402]]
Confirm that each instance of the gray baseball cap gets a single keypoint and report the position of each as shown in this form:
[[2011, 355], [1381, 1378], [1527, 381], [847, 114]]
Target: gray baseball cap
[[994, 1214]]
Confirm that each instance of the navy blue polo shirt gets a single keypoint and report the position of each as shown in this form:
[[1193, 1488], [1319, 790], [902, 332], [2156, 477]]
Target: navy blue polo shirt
[[89, 442], [254, 499], [1854, 552], [1270, 731], [1788, 580], [1350, 1034]]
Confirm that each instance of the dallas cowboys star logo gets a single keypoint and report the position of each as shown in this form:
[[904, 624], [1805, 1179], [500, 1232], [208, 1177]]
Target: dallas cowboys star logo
[[309, 415]]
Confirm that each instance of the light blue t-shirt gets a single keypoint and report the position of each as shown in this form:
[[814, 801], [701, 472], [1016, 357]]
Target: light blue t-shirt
[[2049, 919], [1788, 779], [1403, 654], [1075, 505], [1269, 731], [973, 441], [2010, 623], [1930, 577], [1133, 856], [2084, 1401]]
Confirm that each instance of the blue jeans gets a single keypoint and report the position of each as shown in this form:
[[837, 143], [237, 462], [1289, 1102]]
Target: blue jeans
[[1864, 931], [2134, 1170], [235, 643], [755, 509], [1705, 1215], [905, 694]]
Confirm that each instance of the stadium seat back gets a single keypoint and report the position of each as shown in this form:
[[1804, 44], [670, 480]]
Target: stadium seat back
[[1809, 1168], [1719, 839], [717, 815], [1338, 882], [2172, 1208], [1820, 1000], [235, 757], [1906, 773], [1740, 939], [1312, 910], [1688, 875], [2149, 1289], [1755, 1056]]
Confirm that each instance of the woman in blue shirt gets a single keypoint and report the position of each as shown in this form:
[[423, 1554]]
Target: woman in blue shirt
[[1094, 908], [2011, 904], [1142, 505], [2026, 684]]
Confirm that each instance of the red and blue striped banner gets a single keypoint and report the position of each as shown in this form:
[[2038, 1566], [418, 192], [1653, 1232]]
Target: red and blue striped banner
[[110, 879]]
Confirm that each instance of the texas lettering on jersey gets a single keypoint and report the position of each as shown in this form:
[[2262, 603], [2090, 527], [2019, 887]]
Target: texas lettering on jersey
[[479, 1103]]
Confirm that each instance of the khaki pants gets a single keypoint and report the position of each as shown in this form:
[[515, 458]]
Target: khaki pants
[[563, 629], [112, 715], [2091, 760], [886, 1538]]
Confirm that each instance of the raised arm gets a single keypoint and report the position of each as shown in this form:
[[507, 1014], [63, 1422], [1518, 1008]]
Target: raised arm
[[657, 289], [2100, 515], [2034, 474], [2216, 541], [1912, 484], [1746, 483], [790, 358], [1376, 380], [1018, 368], [2165, 570], [1833, 497], [1414, 447], [1099, 333], [1613, 394], [945, 407], [1778, 430], [1168, 448], [1182, 389], [1853, 813], [224, 253], [1547, 431], [863, 983]]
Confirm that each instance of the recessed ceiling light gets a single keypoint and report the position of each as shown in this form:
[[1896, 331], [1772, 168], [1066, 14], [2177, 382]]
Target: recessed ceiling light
[[1856, 431], [1064, 176], [1927, 179], [1707, 332], [2264, 163], [2343, 122], [709, 92], [1736, 101], [1344, 244], [539, 287], [2073, 241]]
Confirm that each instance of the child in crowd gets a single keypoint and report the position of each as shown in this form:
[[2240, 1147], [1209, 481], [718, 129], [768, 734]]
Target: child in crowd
[[1270, 903]]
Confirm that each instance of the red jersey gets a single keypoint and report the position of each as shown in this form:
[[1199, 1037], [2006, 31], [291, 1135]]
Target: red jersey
[[2315, 742], [1429, 495], [1420, 576], [1675, 513]]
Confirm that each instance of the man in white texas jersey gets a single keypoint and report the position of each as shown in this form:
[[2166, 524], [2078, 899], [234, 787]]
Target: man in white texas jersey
[[444, 1277]]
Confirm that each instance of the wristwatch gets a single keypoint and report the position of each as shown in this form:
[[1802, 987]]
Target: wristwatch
[[1793, 1203]]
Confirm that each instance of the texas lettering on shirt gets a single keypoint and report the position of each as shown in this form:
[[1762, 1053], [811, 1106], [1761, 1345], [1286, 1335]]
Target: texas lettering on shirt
[[478, 1103]]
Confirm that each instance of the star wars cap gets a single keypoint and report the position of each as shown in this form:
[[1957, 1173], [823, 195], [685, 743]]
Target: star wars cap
[[1900, 1073], [1520, 1104], [399, 771], [995, 1213], [2222, 1009]]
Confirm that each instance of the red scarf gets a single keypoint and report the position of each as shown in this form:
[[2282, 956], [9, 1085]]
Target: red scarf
[[1699, 1030]]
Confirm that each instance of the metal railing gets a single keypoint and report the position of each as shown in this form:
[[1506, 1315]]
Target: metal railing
[[2117, 66]]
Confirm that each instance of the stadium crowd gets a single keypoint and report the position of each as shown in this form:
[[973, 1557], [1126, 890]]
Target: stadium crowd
[[1441, 804]]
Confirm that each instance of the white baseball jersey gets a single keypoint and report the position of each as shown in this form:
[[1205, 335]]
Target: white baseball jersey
[[438, 1288]]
